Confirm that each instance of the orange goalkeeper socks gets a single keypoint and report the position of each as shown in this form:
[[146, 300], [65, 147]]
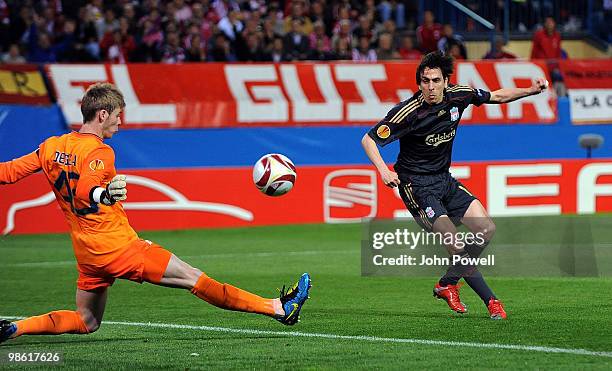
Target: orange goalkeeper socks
[[58, 322], [229, 297]]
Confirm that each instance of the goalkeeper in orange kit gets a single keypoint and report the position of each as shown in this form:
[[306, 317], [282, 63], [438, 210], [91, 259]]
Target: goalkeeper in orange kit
[[80, 170]]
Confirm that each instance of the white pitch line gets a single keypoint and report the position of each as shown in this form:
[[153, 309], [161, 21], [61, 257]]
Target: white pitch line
[[375, 339]]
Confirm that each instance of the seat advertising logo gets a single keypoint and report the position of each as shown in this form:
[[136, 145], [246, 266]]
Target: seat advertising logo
[[349, 195]]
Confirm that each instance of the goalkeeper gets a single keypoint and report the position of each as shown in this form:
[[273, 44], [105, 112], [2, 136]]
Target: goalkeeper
[[80, 170]]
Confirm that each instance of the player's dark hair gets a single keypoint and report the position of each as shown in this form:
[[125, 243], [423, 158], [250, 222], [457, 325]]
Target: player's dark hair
[[100, 96], [435, 60]]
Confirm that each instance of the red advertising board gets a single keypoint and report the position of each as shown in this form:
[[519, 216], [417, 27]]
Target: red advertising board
[[589, 85], [176, 199], [215, 94], [23, 84]]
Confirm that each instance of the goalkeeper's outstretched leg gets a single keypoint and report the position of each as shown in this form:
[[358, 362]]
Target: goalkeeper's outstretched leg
[[285, 309]]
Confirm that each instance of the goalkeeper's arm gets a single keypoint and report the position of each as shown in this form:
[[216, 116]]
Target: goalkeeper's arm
[[12, 171], [116, 190]]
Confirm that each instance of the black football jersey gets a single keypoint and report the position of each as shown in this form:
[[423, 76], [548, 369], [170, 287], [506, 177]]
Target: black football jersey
[[426, 132]]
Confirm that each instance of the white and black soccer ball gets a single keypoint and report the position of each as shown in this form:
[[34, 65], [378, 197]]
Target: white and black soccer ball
[[274, 174]]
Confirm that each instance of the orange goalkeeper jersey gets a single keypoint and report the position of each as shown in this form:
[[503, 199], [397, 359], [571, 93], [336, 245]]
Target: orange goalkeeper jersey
[[75, 164]]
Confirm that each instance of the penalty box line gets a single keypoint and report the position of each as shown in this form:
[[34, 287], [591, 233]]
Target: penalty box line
[[375, 339]]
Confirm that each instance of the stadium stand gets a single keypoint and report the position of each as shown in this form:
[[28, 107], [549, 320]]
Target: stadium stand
[[122, 31]]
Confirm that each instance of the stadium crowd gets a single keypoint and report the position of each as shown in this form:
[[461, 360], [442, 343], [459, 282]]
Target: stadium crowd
[[174, 31]]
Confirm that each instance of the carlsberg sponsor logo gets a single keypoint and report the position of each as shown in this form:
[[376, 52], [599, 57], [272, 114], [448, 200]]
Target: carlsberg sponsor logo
[[436, 139]]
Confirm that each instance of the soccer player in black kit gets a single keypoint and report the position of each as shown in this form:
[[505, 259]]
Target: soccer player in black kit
[[426, 125]]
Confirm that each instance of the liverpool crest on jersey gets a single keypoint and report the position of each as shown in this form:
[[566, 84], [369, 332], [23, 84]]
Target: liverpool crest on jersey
[[454, 112]]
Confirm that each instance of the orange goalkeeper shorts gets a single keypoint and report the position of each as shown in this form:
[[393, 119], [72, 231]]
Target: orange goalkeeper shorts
[[141, 261]]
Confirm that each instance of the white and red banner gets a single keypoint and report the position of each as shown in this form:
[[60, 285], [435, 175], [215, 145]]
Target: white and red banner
[[215, 94], [177, 199], [589, 86]]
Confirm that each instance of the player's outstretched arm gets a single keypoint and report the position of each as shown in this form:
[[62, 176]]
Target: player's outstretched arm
[[19, 168], [371, 149], [511, 94]]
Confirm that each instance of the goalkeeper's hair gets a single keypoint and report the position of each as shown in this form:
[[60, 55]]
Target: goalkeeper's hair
[[435, 60], [100, 96]]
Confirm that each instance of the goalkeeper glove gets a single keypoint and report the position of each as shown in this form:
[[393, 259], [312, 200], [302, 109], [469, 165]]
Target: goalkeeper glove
[[115, 191]]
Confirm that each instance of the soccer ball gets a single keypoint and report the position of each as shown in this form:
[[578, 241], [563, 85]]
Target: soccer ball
[[274, 174]]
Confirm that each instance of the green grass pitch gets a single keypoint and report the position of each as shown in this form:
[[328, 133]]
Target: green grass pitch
[[37, 275]]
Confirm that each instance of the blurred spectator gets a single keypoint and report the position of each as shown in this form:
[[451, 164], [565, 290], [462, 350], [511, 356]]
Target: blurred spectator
[[117, 46], [74, 50], [252, 50], [168, 14], [393, 10], [295, 42], [13, 55], [183, 11], [87, 34], [547, 42], [231, 25], [369, 10], [389, 27], [319, 35], [344, 32], [151, 39], [407, 50], [251, 26], [317, 14], [450, 39], [41, 47], [94, 7], [107, 24], [52, 24], [223, 7], [192, 30], [385, 50], [498, 52], [267, 34], [277, 15], [204, 22], [342, 50], [343, 19], [20, 25], [172, 52], [429, 33], [277, 54], [363, 52], [154, 16], [455, 52], [364, 28], [129, 13], [320, 52], [221, 50], [195, 51], [297, 13]]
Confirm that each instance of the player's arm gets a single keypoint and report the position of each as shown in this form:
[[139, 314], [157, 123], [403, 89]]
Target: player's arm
[[19, 168], [371, 149], [392, 127], [511, 94], [97, 182]]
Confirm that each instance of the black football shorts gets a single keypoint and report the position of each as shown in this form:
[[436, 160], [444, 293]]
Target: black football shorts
[[428, 197]]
